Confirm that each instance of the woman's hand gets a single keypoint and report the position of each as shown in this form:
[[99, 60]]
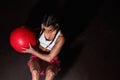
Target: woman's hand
[[28, 50]]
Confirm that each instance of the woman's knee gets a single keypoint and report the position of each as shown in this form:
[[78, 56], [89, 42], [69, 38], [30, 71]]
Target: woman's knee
[[34, 69], [35, 72], [50, 73]]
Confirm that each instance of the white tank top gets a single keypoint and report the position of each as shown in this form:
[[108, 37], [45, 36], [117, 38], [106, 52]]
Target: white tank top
[[44, 43]]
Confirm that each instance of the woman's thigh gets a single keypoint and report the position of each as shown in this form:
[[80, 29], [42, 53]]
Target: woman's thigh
[[53, 67], [34, 64]]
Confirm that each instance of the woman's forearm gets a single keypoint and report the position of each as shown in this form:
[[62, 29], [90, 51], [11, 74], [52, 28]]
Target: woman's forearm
[[45, 57]]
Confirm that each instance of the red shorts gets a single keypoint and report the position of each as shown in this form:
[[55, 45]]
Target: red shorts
[[44, 64]]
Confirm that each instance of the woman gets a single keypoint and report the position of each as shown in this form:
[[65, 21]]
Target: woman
[[44, 60]]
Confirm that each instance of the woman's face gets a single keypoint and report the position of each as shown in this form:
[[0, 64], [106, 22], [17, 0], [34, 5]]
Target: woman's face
[[48, 29]]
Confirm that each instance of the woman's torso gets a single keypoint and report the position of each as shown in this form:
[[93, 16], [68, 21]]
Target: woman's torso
[[47, 45]]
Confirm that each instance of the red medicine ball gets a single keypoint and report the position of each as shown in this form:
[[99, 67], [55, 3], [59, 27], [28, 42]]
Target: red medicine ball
[[20, 38]]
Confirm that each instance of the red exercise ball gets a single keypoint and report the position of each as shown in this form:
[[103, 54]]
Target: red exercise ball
[[21, 37]]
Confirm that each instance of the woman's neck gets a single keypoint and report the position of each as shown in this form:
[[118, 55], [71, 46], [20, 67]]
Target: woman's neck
[[50, 36]]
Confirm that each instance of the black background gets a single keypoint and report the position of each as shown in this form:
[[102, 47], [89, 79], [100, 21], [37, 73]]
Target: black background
[[92, 34]]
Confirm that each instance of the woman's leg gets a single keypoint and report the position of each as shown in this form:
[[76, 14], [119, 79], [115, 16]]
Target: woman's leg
[[34, 68], [51, 71]]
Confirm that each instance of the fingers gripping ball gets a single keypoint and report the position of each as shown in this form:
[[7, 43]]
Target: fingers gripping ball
[[20, 38]]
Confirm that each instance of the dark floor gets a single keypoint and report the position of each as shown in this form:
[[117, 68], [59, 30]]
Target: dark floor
[[92, 48]]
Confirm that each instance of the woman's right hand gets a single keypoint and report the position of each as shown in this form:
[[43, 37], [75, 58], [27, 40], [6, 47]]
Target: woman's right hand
[[28, 50]]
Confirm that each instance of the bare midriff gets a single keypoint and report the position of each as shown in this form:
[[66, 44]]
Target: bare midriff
[[44, 49]]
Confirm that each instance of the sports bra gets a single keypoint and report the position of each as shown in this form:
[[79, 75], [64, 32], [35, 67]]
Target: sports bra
[[45, 43]]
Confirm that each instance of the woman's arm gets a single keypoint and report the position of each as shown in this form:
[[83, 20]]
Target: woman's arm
[[54, 52]]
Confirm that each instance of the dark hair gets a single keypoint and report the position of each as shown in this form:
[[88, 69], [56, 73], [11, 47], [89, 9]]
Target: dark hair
[[51, 19]]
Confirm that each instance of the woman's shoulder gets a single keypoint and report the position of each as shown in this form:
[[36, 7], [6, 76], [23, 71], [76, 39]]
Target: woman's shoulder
[[61, 34], [61, 37]]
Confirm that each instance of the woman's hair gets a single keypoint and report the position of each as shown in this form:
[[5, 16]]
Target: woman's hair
[[51, 19]]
